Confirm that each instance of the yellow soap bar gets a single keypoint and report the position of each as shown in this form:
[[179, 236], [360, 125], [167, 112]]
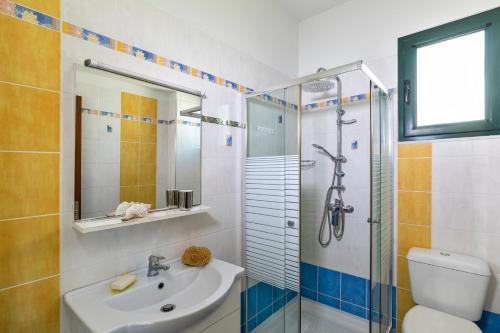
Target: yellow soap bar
[[123, 282]]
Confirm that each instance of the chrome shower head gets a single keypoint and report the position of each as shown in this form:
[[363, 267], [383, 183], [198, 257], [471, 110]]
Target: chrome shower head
[[324, 151], [318, 86]]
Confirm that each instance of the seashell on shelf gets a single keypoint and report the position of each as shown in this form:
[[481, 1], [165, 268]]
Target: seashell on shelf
[[136, 210]]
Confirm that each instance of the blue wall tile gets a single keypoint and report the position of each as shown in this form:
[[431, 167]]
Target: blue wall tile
[[394, 300], [277, 305], [309, 276], [243, 307], [330, 301], [353, 289], [329, 282], [264, 295], [278, 293], [307, 293], [353, 309], [252, 301], [264, 314], [252, 324], [290, 294], [490, 322]]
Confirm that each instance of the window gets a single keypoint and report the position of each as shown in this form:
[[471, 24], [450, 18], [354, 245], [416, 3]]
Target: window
[[449, 79]]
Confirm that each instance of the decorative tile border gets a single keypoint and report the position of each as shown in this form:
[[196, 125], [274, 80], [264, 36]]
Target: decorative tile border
[[146, 120], [90, 36], [145, 55], [35, 17], [29, 15]]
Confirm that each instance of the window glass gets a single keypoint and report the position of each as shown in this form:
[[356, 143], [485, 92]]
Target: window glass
[[451, 80]]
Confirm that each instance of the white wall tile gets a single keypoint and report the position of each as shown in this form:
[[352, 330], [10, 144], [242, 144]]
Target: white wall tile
[[465, 202]]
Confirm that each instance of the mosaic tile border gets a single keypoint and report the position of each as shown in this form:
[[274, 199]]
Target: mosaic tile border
[[35, 17], [145, 120], [145, 55], [29, 15]]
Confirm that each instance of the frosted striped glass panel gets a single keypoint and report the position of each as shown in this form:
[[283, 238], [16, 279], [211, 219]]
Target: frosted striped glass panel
[[272, 220]]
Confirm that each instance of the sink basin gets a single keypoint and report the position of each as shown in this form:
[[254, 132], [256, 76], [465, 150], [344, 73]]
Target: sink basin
[[194, 292]]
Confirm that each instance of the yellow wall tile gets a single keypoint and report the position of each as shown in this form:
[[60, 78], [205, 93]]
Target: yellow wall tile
[[129, 130], [29, 184], [414, 150], [131, 104], [403, 275], [414, 207], [50, 7], [129, 163], [148, 133], [412, 236], [148, 153], [32, 119], [31, 307], [129, 193], [414, 174], [29, 249], [147, 194], [147, 174], [147, 165], [149, 107], [30, 54], [405, 302]]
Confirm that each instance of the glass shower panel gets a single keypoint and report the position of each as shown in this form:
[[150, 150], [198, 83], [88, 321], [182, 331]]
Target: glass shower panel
[[271, 213], [381, 211]]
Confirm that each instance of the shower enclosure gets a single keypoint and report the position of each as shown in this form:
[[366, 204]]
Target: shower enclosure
[[319, 167]]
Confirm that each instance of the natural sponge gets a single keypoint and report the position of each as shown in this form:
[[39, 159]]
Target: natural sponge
[[196, 256]]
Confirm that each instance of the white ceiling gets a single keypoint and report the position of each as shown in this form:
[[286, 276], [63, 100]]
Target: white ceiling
[[303, 9]]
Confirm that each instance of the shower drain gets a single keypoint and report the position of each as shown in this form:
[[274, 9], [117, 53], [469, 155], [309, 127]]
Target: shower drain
[[167, 308]]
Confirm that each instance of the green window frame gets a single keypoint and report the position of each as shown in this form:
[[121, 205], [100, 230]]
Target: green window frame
[[488, 21]]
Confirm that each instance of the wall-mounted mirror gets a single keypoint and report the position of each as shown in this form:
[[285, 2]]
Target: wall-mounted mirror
[[134, 140]]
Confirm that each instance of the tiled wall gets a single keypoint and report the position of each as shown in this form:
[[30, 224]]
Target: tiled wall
[[448, 199], [263, 301], [138, 149], [29, 172], [345, 292], [414, 213], [93, 257]]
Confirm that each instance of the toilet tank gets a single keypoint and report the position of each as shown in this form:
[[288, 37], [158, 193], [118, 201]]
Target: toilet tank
[[448, 282]]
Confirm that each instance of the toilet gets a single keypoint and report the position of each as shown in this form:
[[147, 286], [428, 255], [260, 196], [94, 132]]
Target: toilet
[[449, 290]]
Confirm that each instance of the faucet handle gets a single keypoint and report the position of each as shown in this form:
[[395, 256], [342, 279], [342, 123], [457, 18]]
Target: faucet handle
[[156, 258]]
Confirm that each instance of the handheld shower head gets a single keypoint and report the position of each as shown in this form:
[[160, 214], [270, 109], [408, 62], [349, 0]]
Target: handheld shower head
[[324, 151]]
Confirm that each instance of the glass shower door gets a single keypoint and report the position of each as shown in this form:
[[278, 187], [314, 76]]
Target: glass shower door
[[271, 211], [381, 218]]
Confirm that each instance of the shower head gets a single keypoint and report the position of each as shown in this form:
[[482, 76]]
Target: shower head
[[324, 151], [318, 86]]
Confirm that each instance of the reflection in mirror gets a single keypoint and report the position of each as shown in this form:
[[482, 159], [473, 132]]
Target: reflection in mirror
[[134, 141]]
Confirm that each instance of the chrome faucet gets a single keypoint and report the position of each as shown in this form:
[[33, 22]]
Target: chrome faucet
[[155, 266]]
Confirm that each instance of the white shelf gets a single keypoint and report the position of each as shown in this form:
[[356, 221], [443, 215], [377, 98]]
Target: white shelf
[[92, 225]]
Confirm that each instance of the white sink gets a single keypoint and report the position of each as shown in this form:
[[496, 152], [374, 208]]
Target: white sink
[[195, 292]]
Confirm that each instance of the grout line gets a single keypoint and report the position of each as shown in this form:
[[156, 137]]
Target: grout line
[[416, 225], [29, 282], [30, 152], [415, 158], [29, 217], [31, 87]]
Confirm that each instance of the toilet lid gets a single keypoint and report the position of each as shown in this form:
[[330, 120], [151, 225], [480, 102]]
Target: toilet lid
[[425, 320]]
